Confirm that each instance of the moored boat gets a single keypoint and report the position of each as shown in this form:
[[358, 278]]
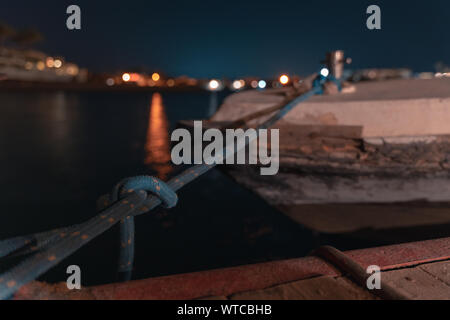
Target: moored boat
[[376, 155]]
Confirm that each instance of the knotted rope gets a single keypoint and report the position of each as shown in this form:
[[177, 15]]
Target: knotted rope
[[156, 187]]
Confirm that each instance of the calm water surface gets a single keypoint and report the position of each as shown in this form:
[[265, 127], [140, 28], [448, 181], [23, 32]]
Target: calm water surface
[[60, 151]]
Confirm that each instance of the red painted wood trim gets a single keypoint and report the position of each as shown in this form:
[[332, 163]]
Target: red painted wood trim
[[257, 276]]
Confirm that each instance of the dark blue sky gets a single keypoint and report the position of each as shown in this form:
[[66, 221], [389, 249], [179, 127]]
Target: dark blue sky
[[238, 38]]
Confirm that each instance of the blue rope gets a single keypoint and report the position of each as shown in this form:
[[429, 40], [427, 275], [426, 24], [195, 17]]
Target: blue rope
[[129, 198], [131, 203], [126, 253]]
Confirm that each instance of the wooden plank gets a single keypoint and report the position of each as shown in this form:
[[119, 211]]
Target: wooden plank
[[439, 270], [428, 281], [289, 130], [227, 281], [319, 288], [417, 284]]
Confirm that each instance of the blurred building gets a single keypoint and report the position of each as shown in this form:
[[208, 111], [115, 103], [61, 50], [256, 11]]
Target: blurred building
[[32, 65]]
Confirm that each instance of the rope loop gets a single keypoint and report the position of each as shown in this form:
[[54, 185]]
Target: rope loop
[[150, 184]]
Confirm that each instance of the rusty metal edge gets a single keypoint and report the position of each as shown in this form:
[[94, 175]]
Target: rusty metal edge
[[224, 282]]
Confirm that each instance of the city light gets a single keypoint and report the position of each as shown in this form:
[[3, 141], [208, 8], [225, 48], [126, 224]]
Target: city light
[[155, 77], [170, 83], [50, 62], [237, 84], [110, 82], [40, 65], [135, 77], [324, 72], [284, 79], [126, 77], [72, 69], [254, 84], [57, 63], [262, 84], [213, 84]]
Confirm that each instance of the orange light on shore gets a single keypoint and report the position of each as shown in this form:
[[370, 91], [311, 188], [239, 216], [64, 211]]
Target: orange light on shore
[[155, 76], [170, 83], [126, 77], [50, 62], [135, 77], [40, 65], [284, 79]]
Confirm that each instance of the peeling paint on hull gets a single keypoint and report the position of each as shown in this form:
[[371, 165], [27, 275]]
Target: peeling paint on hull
[[294, 189]]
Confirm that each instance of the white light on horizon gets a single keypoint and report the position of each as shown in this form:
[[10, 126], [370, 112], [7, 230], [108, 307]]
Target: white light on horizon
[[213, 84], [262, 84], [237, 84], [126, 77], [57, 63], [324, 72], [284, 79], [110, 82]]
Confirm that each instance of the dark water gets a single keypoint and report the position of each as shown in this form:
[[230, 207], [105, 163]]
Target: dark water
[[61, 151]]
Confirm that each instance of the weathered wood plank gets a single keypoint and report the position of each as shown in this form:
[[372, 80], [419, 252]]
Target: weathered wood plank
[[429, 281], [319, 288], [440, 270], [417, 284], [221, 283]]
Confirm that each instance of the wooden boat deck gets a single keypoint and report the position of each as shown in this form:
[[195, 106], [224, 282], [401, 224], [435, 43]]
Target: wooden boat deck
[[334, 181]]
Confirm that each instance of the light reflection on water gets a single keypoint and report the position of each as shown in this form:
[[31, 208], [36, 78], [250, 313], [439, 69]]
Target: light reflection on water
[[157, 146]]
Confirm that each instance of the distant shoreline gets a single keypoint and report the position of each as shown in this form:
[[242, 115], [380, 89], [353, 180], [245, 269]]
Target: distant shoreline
[[9, 85]]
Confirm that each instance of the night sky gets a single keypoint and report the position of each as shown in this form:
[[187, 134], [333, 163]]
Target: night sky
[[237, 38]]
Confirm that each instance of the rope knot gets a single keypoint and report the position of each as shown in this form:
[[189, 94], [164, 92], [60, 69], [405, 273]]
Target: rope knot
[[152, 185]]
